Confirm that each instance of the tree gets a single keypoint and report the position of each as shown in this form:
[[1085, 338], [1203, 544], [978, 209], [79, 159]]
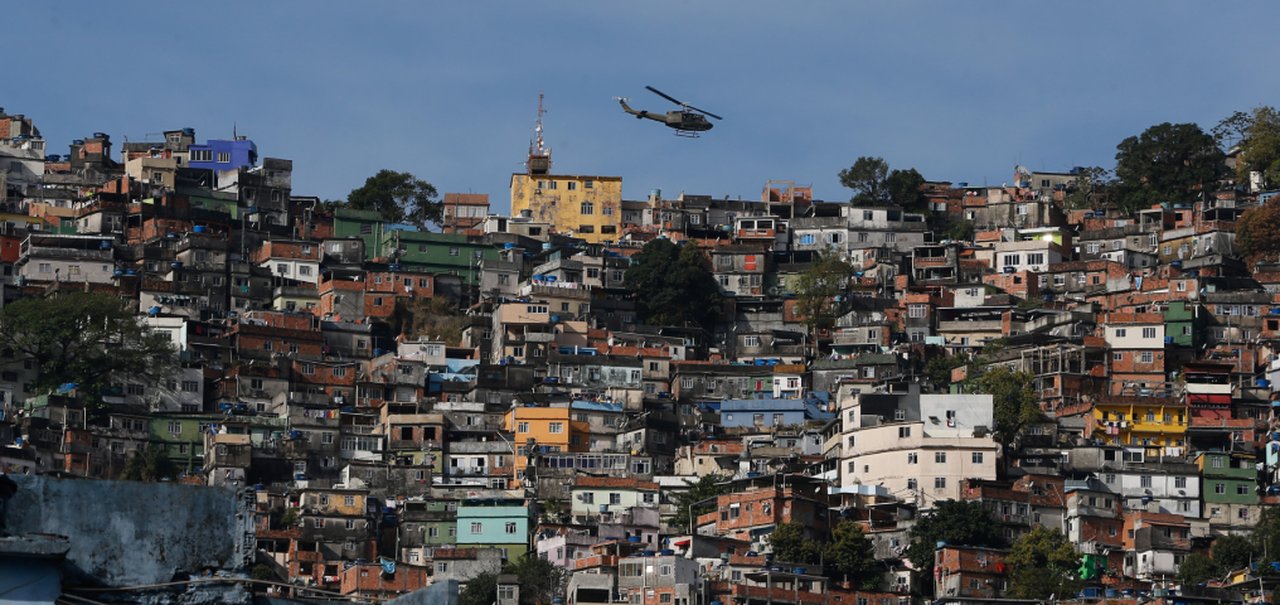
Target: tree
[[150, 464], [867, 179], [482, 589], [1041, 563], [1088, 189], [1258, 232], [905, 188], [1166, 163], [673, 285], [1260, 146], [791, 543], [1232, 552], [953, 522], [817, 290], [86, 339], [961, 230], [851, 555], [939, 367], [1014, 400], [1197, 568], [1266, 536], [697, 499], [540, 581], [399, 197]]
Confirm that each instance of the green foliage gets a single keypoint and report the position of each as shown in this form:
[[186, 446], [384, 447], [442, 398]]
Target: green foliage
[[791, 543], [707, 486], [867, 180], [1166, 163], [939, 367], [400, 197], [959, 231], [482, 589], [262, 571], [1260, 146], [540, 582], [289, 518], [1258, 232], [904, 188], [1232, 552], [1197, 568], [1041, 563], [673, 285], [1013, 397], [851, 556], [150, 464], [1266, 535], [1090, 185], [954, 522], [817, 288], [86, 339], [874, 184]]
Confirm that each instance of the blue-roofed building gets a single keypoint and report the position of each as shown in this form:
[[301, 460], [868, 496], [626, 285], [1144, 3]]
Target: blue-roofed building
[[222, 155], [771, 412]]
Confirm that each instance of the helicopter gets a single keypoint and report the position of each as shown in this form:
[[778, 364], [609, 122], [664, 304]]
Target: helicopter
[[688, 121]]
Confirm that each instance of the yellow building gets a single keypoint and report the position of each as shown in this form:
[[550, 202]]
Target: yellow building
[[1151, 422], [589, 207], [551, 429]]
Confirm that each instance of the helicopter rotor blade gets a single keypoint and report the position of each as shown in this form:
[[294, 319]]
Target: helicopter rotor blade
[[664, 95], [704, 112]]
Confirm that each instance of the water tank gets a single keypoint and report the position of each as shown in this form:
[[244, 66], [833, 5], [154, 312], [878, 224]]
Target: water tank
[[153, 311], [666, 552], [199, 228], [633, 539]]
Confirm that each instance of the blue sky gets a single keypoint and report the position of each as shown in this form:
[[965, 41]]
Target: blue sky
[[962, 91]]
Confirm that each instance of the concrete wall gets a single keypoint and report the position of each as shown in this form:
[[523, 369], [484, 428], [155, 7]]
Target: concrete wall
[[128, 533]]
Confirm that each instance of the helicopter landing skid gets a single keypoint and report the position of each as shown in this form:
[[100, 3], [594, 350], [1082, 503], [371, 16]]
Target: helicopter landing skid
[[688, 134]]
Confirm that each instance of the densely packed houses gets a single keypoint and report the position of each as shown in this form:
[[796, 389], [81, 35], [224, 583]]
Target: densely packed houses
[[456, 398]]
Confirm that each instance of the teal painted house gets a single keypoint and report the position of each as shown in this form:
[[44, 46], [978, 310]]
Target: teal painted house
[[494, 523]]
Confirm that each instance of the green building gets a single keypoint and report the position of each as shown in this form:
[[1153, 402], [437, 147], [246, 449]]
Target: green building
[[368, 225], [181, 437], [1228, 478], [440, 253], [1182, 324]]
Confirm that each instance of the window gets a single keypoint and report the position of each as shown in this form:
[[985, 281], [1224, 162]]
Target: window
[[1242, 490], [511, 527], [587, 208], [615, 498], [522, 427], [224, 157], [1121, 332], [175, 427], [977, 457], [477, 528], [751, 342], [1117, 356], [1035, 258], [1146, 357], [1148, 332], [917, 311], [912, 458], [1179, 482], [904, 432], [940, 457], [1145, 481], [555, 428], [807, 239], [939, 483], [911, 484]]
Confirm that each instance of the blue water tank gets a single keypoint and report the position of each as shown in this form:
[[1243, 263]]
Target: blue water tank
[[199, 228], [177, 264], [1262, 382], [666, 552], [633, 539], [153, 311]]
